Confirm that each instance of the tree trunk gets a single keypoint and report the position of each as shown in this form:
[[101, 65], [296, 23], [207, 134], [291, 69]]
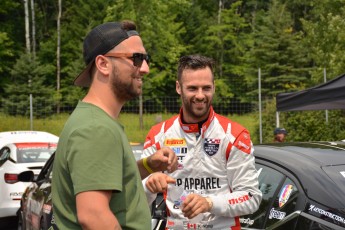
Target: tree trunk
[[58, 68], [33, 24], [27, 29]]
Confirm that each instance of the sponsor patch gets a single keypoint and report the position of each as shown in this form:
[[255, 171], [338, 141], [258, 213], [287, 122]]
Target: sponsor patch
[[240, 199], [284, 194], [175, 142], [243, 143], [211, 146], [170, 223], [179, 150]]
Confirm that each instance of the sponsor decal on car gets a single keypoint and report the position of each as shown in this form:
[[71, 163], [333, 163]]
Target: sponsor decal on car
[[275, 214], [284, 194], [16, 194], [333, 216], [35, 145], [246, 221]]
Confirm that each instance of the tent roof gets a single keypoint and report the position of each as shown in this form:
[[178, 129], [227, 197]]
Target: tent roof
[[330, 95]]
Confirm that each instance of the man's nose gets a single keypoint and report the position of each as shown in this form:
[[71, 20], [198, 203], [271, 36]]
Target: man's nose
[[200, 94], [145, 68]]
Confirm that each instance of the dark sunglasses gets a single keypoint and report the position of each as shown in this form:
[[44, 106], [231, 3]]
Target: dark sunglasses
[[138, 58]]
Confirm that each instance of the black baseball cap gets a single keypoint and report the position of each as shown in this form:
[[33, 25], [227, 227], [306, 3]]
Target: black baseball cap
[[279, 130], [100, 40]]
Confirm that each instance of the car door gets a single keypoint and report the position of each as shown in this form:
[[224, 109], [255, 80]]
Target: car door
[[281, 200], [37, 204]]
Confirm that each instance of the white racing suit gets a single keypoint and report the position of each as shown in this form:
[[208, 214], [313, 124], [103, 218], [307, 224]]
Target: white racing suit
[[216, 162]]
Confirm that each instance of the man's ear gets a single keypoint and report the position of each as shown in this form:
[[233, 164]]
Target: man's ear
[[103, 65], [178, 88], [214, 87]]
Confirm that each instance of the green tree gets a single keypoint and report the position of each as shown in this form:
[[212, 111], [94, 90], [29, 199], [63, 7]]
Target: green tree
[[11, 30], [27, 77], [325, 39], [161, 32], [278, 51]]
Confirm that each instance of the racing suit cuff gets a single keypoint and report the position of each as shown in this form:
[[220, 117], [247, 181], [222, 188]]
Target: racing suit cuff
[[149, 195], [218, 207]]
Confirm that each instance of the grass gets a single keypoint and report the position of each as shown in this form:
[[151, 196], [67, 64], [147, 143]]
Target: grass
[[131, 122]]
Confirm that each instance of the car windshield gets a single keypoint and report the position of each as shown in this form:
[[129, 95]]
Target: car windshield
[[34, 152]]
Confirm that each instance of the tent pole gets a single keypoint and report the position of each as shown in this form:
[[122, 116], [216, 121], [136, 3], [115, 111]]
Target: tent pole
[[259, 90], [325, 80]]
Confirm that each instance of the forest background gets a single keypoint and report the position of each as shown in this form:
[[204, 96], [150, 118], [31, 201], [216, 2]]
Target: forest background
[[296, 44]]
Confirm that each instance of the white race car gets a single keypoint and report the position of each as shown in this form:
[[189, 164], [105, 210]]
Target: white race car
[[21, 151]]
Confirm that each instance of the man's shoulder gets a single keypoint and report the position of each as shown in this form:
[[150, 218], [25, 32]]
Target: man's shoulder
[[166, 123], [225, 122]]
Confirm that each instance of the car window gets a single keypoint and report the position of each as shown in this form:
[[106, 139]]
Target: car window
[[269, 180], [284, 205], [4, 154], [29, 155], [47, 170]]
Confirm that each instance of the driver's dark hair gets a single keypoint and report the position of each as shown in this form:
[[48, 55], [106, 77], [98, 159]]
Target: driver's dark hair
[[193, 62]]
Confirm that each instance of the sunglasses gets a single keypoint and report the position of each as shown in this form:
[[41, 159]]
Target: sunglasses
[[138, 58]]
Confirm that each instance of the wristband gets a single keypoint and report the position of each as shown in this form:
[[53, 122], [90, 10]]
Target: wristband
[[146, 166], [210, 203]]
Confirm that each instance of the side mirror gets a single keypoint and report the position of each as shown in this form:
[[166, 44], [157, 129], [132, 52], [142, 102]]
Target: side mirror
[[26, 176]]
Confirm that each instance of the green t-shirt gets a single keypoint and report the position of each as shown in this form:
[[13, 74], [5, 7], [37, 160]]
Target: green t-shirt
[[93, 153]]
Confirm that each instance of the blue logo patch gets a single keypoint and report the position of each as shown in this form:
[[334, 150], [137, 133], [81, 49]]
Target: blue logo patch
[[211, 146], [179, 150]]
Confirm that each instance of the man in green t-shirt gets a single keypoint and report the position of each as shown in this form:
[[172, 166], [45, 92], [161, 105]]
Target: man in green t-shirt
[[96, 181]]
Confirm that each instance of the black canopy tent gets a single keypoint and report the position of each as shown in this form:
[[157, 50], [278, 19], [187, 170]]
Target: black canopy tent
[[330, 95]]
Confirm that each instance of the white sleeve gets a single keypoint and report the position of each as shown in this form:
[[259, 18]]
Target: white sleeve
[[244, 196]]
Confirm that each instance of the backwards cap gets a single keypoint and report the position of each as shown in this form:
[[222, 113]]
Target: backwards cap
[[99, 41]]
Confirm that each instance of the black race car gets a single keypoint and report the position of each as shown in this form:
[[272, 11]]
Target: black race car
[[303, 186]]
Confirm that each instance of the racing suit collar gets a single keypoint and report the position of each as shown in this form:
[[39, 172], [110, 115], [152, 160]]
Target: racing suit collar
[[194, 128]]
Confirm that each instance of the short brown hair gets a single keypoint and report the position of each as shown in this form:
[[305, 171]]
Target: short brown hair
[[194, 62]]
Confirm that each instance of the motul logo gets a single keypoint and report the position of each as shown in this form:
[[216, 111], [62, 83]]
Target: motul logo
[[239, 200]]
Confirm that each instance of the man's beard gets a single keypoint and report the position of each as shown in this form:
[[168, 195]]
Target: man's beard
[[189, 108], [125, 91]]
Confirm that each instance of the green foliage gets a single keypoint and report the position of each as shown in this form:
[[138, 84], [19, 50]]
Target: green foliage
[[278, 52], [28, 82], [291, 41], [5, 51], [303, 125], [157, 21], [325, 39]]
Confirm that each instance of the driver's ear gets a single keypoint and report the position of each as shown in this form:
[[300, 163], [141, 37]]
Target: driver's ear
[[178, 87]]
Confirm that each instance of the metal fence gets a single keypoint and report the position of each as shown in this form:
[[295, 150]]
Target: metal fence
[[30, 107]]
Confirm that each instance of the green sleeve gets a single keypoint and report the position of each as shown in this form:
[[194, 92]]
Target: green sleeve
[[95, 159]]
